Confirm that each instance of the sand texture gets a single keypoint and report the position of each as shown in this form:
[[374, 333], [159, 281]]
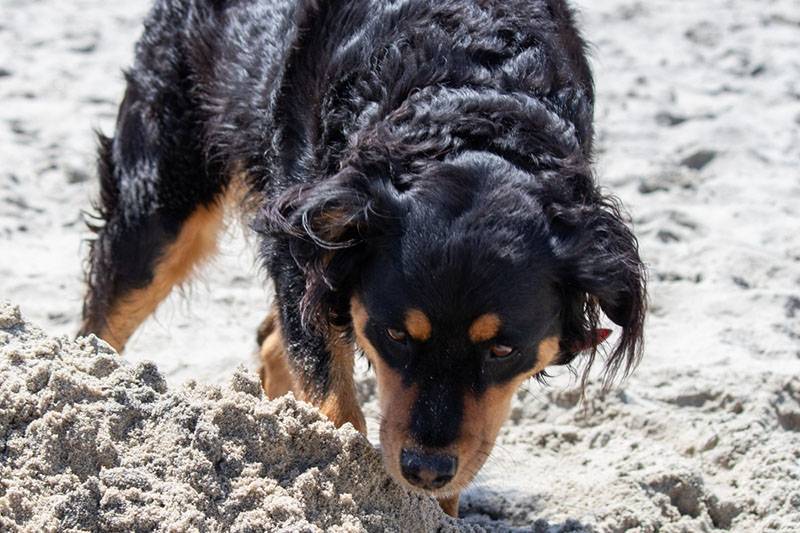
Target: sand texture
[[698, 132], [88, 442]]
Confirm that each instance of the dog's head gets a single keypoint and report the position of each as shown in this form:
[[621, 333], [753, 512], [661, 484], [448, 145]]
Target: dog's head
[[462, 281]]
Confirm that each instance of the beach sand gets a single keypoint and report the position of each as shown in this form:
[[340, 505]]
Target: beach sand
[[698, 128]]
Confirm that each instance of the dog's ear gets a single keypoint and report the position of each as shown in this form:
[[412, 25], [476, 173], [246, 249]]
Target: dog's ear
[[597, 338], [326, 229], [600, 269]]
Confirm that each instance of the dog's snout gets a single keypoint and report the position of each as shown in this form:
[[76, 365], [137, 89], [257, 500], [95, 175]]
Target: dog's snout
[[428, 471]]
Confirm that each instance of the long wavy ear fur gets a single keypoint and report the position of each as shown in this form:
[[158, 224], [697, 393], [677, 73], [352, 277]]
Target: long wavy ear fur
[[599, 256], [328, 228]]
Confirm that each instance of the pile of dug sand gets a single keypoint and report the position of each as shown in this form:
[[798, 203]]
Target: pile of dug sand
[[88, 442]]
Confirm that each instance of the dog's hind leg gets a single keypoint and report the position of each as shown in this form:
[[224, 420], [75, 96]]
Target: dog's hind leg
[[161, 209], [132, 272]]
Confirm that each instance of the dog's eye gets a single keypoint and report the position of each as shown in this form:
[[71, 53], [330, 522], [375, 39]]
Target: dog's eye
[[396, 335], [500, 351]]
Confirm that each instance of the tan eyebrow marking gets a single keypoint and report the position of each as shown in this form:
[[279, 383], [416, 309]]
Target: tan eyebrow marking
[[418, 325], [484, 328]]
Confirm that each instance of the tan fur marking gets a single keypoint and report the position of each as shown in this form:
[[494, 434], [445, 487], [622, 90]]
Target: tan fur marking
[[449, 504], [484, 415], [484, 328], [418, 325], [276, 377], [196, 241], [396, 400], [548, 352], [341, 403]]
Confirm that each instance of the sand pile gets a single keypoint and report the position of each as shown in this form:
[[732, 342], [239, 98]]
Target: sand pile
[[88, 442]]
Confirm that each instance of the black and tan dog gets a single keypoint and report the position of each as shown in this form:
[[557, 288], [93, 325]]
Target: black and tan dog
[[419, 172]]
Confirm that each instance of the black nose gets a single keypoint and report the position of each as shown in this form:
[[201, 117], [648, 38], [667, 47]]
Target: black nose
[[427, 471]]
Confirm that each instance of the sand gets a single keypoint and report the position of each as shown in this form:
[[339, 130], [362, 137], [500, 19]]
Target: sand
[[89, 442], [698, 122]]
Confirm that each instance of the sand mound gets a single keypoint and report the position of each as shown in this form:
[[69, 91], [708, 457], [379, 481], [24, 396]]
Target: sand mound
[[88, 442]]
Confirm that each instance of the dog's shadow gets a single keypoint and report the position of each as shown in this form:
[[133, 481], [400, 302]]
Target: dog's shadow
[[494, 511]]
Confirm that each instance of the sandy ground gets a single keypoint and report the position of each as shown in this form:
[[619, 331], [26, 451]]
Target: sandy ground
[[698, 124], [92, 444]]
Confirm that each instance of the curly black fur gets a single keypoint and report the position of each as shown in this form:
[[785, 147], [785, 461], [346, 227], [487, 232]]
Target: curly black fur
[[445, 142]]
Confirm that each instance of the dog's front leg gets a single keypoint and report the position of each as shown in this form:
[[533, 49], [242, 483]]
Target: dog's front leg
[[320, 364], [339, 402], [328, 383]]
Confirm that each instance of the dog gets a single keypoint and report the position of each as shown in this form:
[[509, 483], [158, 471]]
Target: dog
[[419, 174]]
